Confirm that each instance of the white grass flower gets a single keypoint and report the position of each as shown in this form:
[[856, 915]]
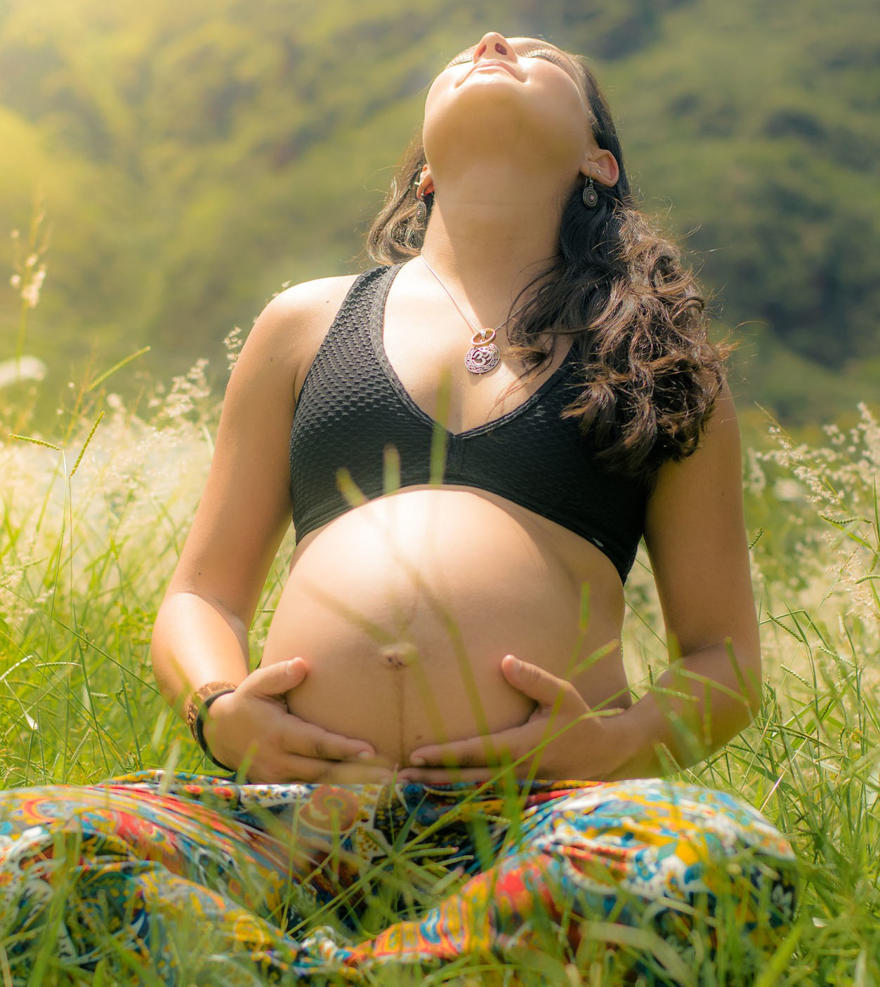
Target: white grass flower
[[25, 368], [30, 293], [787, 489], [233, 343]]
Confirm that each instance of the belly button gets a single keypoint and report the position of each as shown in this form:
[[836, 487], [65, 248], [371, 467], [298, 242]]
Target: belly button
[[397, 656]]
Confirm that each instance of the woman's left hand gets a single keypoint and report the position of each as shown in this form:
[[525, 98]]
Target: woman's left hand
[[561, 739]]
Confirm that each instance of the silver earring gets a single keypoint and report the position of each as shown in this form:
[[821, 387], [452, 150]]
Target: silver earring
[[421, 208], [590, 195]]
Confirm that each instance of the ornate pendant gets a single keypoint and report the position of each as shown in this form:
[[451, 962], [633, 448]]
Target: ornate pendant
[[483, 355]]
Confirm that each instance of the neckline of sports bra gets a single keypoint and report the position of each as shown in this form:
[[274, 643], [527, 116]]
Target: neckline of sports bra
[[377, 335]]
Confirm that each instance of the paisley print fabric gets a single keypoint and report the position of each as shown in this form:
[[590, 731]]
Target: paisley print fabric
[[192, 879]]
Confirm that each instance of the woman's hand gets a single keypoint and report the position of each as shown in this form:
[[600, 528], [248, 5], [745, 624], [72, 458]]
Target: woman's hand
[[252, 728], [561, 739]]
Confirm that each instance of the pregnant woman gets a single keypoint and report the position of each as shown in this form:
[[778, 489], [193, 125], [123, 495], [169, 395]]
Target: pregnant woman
[[472, 438]]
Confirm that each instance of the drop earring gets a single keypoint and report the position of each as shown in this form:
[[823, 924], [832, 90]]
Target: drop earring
[[421, 215], [421, 208], [590, 196]]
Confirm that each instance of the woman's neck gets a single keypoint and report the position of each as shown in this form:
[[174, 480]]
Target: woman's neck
[[491, 234]]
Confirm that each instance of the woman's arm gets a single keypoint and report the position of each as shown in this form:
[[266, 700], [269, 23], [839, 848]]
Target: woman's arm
[[201, 630], [696, 539]]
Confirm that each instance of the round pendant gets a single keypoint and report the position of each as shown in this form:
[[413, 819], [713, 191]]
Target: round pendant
[[482, 359]]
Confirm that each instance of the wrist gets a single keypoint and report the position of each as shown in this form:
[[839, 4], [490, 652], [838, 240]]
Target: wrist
[[196, 711]]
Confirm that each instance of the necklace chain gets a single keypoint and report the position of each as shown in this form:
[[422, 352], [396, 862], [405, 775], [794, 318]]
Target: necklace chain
[[483, 355]]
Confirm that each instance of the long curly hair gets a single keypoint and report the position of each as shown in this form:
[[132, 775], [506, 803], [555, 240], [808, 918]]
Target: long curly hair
[[649, 375]]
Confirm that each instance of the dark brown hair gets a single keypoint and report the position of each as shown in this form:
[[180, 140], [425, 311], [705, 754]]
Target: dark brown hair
[[649, 375]]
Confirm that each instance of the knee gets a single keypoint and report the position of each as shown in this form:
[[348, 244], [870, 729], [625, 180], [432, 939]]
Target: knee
[[663, 839]]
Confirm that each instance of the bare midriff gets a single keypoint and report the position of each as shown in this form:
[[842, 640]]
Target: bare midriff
[[405, 606]]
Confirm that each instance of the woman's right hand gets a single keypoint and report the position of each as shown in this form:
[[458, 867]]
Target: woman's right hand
[[252, 728]]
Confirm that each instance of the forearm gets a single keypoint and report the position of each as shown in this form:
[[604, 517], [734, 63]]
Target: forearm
[[692, 709], [194, 643]]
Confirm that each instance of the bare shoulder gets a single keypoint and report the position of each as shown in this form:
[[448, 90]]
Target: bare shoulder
[[293, 324], [694, 515], [712, 468], [310, 300], [723, 416]]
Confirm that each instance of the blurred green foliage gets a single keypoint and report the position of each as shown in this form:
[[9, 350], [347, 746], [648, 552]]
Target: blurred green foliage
[[195, 157]]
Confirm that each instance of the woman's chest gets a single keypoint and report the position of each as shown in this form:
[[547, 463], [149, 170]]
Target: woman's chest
[[429, 353]]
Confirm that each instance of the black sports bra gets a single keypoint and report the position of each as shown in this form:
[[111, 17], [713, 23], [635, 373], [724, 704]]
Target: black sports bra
[[352, 406]]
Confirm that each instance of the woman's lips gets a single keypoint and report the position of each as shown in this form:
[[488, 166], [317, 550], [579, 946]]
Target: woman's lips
[[493, 65]]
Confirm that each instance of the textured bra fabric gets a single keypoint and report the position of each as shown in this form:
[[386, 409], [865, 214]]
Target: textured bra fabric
[[352, 406]]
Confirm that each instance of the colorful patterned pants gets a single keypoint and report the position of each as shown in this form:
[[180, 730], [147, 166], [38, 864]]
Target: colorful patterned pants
[[182, 879]]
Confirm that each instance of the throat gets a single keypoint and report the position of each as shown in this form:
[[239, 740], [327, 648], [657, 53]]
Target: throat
[[476, 232]]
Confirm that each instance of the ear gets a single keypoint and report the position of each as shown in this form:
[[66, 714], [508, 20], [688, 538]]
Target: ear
[[426, 182], [603, 166]]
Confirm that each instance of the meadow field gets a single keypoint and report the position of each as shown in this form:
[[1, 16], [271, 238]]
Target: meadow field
[[94, 512], [195, 157]]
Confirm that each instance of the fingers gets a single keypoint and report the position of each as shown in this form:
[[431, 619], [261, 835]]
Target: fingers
[[254, 719], [299, 736], [511, 746], [308, 740], [535, 682], [276, 679], [473, 751]]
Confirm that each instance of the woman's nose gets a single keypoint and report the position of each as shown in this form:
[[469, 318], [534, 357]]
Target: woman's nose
[[494, 45]]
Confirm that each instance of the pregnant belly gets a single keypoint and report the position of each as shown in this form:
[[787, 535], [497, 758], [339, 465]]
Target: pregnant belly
[[404, 608]]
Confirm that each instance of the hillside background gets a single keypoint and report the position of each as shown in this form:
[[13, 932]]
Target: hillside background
[[192, 158]]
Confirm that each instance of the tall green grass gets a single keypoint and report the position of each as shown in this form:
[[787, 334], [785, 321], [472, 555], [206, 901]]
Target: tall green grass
[[93, 513]]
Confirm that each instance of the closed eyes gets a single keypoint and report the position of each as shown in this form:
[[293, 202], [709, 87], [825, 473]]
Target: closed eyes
[[556, 57], [545, 53], [465, 56]]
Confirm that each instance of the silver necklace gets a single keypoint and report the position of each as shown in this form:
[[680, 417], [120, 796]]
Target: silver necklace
[[483, 354]]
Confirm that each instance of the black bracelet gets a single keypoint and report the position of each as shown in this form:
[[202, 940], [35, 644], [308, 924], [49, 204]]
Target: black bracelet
[[199, 730]]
